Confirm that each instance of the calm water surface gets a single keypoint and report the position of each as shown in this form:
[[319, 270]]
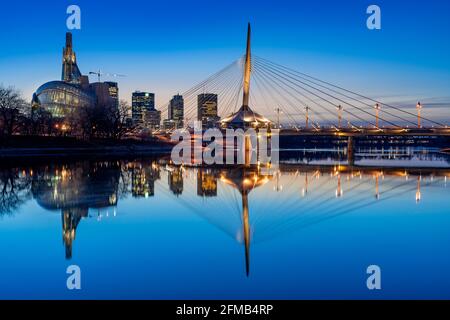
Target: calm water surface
[[145, 229]]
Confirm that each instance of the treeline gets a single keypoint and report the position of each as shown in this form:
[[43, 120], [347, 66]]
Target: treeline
[[17, 117]]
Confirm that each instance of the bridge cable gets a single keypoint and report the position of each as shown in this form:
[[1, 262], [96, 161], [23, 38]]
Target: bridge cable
[[336, 98], [352, 92], [347, 96]]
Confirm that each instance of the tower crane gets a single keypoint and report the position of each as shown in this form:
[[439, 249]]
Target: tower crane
[[99, 74]]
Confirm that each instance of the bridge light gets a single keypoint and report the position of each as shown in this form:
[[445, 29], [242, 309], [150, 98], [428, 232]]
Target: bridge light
[[339, 109], [418, 193], [377, 114], [307, 117], [419, 108]]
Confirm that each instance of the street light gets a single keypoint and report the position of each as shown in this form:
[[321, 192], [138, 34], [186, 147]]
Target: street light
[[377, 114], [339, 109], [307, 117], [278, 110], [419, 108]]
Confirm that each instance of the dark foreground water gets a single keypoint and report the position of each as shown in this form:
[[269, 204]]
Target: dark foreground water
[[142, 228]]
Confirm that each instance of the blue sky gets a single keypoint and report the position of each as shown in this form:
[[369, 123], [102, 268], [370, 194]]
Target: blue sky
[[168, 46]]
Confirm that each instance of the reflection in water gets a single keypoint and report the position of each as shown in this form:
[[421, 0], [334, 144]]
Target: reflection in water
[[144, 174], [176, 180], [74, 189], [245, 180], [14, 189], [250, 206], [206, 183], [418, 194]]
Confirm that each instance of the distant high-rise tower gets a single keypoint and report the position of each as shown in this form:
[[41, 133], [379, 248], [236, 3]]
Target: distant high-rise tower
[[113, 92], [207, 110], [176, 110], [141, 103], [70, 71]]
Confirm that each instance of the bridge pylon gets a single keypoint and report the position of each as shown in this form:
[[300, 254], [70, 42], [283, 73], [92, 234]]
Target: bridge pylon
[[245, 117]]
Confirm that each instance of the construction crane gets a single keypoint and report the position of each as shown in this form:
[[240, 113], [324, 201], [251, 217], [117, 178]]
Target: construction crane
[[99, 74]]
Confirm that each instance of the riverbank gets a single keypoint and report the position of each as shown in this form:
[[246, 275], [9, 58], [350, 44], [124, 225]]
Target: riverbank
[[31, 146]]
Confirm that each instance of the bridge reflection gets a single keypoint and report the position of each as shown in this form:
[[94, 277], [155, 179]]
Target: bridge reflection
[[245, 179], [245, 202]]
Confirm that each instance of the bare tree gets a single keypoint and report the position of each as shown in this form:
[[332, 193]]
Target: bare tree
[[100, 121], [120, 123], [13, 109], [42, 122], [14, 190]]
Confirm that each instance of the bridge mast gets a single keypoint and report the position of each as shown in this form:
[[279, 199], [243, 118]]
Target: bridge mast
[[246, 226], [245, 118], [247, 70]]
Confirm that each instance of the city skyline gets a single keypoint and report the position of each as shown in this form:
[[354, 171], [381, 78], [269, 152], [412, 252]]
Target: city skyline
[[213, 150], [171, 61]]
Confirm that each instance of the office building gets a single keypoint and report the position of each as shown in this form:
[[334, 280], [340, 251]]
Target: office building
[[176, 112], [141, 103], [207, 110]]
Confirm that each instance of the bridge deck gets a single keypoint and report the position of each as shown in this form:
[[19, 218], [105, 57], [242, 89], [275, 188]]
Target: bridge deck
[[363, 132]]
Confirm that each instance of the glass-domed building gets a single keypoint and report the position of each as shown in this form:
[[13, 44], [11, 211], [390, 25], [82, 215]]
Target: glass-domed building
[[61, 98]]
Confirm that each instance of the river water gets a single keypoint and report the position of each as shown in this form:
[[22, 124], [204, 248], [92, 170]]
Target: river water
[[146, 229]]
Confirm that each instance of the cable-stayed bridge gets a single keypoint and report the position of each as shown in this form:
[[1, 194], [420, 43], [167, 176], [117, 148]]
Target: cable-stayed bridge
[[255, 92]]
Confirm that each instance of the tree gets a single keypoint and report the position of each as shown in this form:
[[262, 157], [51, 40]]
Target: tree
[[42, 122], [13, 109], [120, 124], [14, 190], [104, 121]]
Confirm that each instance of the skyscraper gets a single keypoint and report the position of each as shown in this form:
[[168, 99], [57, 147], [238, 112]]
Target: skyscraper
[[176, 110], [207, 110], [113, 92], [142, 102], [152, 119]]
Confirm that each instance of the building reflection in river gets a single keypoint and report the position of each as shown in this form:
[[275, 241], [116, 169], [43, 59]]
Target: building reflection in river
[[309, 192], [175, 178], [206, 183], [144, 174], [74, 189]]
